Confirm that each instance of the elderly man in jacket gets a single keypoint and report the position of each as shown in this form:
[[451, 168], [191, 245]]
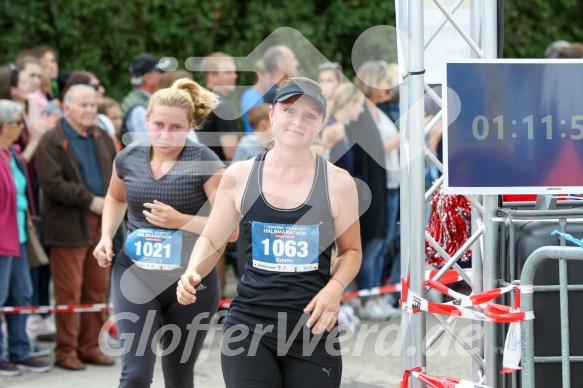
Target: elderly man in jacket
[[74, 164]]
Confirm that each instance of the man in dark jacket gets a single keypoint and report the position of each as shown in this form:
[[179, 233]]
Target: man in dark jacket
[[74, 165], [219, 129]]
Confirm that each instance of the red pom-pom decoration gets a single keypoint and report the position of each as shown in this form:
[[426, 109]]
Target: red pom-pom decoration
[[449, 225]]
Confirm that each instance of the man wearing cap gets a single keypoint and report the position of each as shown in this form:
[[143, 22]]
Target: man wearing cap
[[145, 72]]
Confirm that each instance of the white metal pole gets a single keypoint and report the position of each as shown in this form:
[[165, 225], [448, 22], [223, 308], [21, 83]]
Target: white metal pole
[[490, 260], [402, 8], [416, 166], [477, 218]]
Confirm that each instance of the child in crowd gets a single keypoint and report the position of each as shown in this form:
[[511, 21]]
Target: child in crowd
[[112, 109], [251, 145]]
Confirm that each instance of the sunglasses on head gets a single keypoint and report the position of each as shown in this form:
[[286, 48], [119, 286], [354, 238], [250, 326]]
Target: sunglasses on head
[[95, 86], [382, 63], [330, 66], [14, 73]]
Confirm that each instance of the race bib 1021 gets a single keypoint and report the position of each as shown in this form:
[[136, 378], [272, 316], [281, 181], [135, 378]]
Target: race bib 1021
[[155, 249], [285, 248]]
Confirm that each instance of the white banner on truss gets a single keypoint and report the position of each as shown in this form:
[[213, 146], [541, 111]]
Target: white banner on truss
[[447, 45]]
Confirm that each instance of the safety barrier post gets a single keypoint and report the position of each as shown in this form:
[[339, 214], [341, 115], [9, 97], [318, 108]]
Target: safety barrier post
[[526, 304]]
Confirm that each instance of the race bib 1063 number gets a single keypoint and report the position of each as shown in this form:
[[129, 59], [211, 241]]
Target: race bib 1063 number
[[285, 248], [155, 249]]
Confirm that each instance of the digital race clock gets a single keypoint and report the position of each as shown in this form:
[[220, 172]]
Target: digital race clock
[[513, 126]]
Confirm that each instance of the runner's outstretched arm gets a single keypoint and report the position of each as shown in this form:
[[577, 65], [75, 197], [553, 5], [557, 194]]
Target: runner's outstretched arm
[[222, 226]]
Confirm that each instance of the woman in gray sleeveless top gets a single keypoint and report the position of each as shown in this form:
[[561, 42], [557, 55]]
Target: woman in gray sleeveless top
[[167, 184]]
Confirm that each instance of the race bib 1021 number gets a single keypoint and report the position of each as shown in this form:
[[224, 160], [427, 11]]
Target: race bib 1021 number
[[155, 249], [285, 248]]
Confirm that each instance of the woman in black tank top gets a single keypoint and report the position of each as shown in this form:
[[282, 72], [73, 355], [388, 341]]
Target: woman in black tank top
[[166, 183], [293, 206]]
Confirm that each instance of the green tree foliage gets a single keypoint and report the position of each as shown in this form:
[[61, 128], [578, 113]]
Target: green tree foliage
[[104, 35], [530, 26]]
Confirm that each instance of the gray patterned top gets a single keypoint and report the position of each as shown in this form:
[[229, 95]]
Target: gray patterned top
[[181, 187]]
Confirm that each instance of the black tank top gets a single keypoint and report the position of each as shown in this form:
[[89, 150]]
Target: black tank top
[[287, 252]]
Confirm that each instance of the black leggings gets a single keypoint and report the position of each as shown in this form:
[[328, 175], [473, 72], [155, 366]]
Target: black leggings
[[138, 325], [257, 365]]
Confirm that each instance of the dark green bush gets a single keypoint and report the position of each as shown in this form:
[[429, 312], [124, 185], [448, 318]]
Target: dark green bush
[[104, 35]]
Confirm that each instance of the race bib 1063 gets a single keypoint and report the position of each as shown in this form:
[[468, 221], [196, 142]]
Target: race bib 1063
[[155, 249], [285, 248]]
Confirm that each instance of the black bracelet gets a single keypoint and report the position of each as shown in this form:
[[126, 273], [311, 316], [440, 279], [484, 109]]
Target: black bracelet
[[338, 282]]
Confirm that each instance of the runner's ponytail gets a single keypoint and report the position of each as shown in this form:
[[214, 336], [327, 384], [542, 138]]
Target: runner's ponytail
[[188, 95]]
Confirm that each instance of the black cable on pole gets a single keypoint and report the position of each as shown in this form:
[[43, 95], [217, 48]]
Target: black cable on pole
[[500, 29]]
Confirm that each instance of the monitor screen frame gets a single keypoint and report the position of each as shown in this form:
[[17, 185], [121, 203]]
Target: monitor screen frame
[[473, 152]]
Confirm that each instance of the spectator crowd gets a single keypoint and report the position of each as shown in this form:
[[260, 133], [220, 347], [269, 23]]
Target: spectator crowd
[[60, 133]]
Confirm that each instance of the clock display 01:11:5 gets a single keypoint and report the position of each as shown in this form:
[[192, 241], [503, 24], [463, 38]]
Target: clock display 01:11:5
[[481, 127]]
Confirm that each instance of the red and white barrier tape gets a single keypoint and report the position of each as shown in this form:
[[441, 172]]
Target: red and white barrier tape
[[410, 302], [437, 381], [413, 303], [460, 307], [372, 292], [512, 348], [78, 308], [225, 303], [513, 342], [449, 277]]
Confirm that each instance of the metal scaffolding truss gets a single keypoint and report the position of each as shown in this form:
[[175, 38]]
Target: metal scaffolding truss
[[482, 39]]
